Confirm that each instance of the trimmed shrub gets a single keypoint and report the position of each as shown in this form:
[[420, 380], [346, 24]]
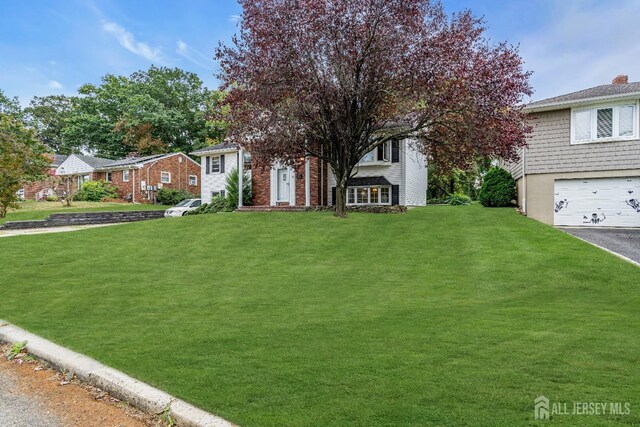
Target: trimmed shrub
[[166, 196], [498, 188], [459, 199], [96, 191]]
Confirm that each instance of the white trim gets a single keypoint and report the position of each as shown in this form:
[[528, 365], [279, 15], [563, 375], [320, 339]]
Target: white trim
[[216, 152], [582, 102], [240, 167], [368, 187], [307, 183], [219, 171], [123, 172], [193, 176], [108, 176], [165, 182], [593, 109]]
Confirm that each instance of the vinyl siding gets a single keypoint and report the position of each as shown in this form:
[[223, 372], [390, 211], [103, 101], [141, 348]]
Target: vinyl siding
[[410, 173], [415, 176], [216, 181], [550, 149]]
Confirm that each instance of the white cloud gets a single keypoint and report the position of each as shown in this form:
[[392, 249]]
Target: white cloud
[[54, 84], [584, 45], [192, 54], [127, 41], [182, 48], [235, 18]]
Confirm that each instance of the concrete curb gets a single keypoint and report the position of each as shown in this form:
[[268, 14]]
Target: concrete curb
[[136, 393]]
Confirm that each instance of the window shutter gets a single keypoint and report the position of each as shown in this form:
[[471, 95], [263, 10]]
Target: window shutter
[[333, 196], [395, 194], [395, 152], [222, 163], [208, 168], [380, 152]]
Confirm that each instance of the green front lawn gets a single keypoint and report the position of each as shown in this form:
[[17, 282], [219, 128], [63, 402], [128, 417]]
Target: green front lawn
[[40, 210], [441, 316]]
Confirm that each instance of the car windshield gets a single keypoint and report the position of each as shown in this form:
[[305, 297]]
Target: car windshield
[[183, 203]]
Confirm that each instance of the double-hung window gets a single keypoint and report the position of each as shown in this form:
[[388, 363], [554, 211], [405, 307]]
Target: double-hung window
[[193, 180], [606, 123], [125, 175], [382, 153], [165, 177]]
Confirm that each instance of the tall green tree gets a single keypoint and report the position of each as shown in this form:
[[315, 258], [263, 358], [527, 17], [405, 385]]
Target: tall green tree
[[48, 116], [10, 106], [157, 110], [23, 158]]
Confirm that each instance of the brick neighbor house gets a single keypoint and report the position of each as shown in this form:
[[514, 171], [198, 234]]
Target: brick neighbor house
[[392, 174], [39, 190], [137, 178]]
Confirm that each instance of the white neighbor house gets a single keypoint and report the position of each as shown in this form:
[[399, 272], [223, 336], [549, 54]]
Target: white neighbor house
[[217, 161], [392, 174]]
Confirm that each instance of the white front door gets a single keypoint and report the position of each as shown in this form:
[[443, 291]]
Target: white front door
[[602, 202], [283, 184]]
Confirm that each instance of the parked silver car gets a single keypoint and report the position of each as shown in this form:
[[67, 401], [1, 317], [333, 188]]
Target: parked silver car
[[183, 207]]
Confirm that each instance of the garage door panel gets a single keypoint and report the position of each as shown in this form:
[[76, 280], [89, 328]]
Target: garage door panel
[[601, 202]]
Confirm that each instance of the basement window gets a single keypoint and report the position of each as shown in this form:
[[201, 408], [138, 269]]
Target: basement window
[[605, 123]]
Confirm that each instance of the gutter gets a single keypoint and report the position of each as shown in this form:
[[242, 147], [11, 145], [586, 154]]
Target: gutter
[[578, 102]]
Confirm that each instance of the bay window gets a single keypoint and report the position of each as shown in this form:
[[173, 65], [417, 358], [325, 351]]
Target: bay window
[[368, 195], [606, 123]]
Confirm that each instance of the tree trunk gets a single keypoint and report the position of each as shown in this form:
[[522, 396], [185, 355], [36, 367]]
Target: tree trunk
[[341, 198]]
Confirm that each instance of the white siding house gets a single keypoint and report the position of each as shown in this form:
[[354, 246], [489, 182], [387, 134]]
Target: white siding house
[[394, 168], [216, 162]]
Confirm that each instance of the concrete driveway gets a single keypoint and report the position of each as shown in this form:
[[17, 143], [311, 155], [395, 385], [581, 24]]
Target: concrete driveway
[[625, 242]]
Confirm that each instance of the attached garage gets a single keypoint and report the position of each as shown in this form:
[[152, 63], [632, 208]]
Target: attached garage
[[597, 202]]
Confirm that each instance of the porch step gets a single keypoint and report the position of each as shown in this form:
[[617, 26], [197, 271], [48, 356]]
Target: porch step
[[272, 209]]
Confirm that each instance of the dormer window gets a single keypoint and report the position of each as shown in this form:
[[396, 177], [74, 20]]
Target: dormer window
[[605, 123]]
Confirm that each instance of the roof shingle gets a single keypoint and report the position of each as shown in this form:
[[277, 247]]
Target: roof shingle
[[603, 91]]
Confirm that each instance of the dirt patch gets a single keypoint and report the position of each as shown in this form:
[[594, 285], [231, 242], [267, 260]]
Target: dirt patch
[[76, 403]]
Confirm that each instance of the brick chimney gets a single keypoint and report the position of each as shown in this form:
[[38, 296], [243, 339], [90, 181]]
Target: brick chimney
[[621, 79]]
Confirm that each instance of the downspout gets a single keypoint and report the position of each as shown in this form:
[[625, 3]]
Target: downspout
[[148, 182], [133, 187], [240, 177], [524, 180]]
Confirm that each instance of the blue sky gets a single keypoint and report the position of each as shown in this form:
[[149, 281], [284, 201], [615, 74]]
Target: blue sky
[[52, 47]]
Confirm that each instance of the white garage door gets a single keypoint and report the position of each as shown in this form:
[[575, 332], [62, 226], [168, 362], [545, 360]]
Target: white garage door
[[597, 202]]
